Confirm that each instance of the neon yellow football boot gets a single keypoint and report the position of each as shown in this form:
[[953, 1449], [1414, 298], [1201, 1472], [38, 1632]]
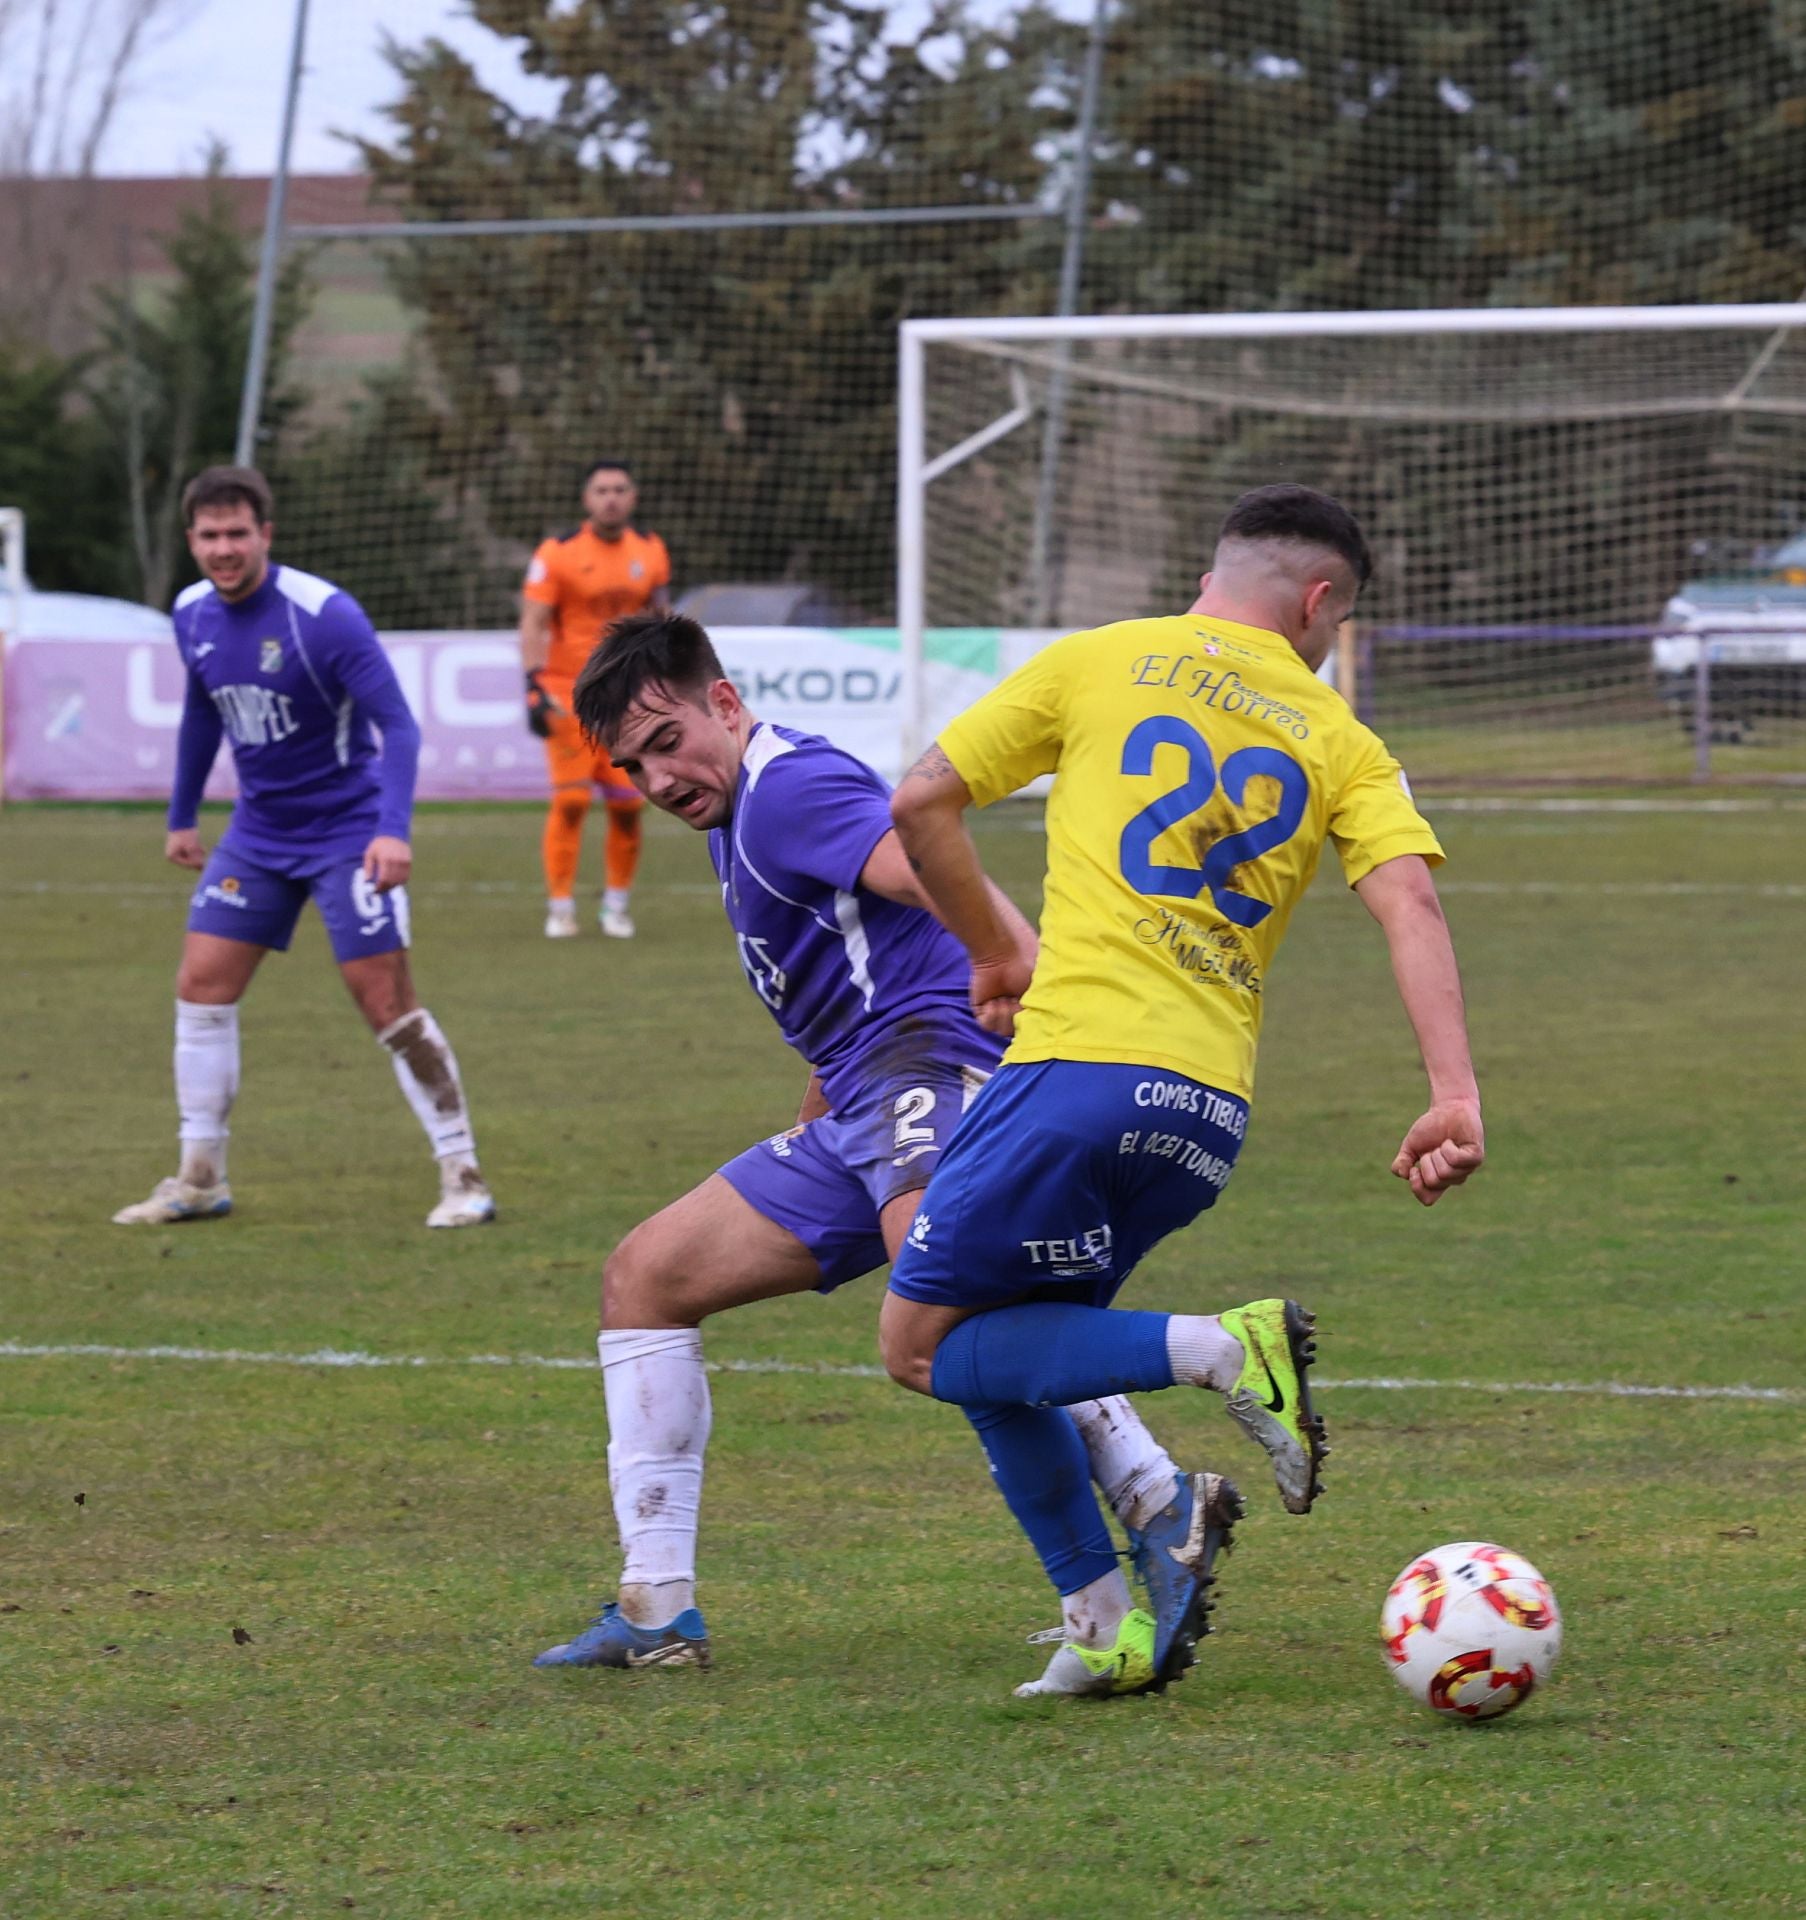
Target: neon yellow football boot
[[1126, 1666], [1270, 1401]]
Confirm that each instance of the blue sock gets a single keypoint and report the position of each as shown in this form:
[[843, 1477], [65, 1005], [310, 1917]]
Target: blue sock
[[1044, 1473], [1045, 1354]]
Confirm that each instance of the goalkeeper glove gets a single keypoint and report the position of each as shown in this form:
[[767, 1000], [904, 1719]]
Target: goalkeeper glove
[[540, 706]]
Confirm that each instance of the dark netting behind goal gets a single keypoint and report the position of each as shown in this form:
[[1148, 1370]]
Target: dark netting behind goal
[[1557, 519]]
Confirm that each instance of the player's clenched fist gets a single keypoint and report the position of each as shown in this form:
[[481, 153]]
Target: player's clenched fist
[[1443, 1148], [997, 990], [182, 848]]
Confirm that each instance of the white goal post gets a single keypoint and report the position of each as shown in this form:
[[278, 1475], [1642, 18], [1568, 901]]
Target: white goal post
[[1543, 489]]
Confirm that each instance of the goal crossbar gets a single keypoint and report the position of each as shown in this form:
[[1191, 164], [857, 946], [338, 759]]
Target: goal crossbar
[[917, 469]]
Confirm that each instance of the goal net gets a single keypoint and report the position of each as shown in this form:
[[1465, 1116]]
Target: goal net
[[1579, 518]]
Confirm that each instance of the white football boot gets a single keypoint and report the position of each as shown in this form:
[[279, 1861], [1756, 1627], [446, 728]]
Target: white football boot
[[616, 922], [464, 1201], [175, 1200], [561, 920]]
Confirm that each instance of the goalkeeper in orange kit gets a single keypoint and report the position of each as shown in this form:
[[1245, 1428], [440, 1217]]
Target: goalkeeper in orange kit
[[577, 585]]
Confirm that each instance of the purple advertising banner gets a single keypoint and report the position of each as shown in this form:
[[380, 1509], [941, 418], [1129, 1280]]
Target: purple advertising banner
[[96, 718]]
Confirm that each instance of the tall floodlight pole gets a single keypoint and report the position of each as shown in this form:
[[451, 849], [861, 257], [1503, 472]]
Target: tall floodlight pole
[[1078, 206], [263, 315]]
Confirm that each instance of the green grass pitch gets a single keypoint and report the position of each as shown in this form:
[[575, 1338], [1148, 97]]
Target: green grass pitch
[[265, 1629]]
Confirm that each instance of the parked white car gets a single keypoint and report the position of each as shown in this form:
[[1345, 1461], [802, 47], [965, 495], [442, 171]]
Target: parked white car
[[1750, 631]]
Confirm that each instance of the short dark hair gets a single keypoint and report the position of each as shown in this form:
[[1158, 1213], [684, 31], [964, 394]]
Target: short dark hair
[[606, 466], [643, 650], [1287, 511], [228, 487]]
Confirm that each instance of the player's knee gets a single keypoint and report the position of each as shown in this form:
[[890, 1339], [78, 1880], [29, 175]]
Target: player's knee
[[626, 821], [203, 986], [570, 804], [639, 1289]]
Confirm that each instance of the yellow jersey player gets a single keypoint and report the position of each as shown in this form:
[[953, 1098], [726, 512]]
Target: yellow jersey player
[[1200, 767]]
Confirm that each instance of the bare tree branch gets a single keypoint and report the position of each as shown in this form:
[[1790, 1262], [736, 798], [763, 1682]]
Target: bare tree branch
[[70, 64]]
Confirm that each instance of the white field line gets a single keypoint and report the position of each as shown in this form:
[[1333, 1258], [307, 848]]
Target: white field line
[[147, 894], [355, 1359], [1553, 803]]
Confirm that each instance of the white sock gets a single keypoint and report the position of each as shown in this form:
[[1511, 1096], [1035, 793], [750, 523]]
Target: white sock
[[1092, 1615], [428, 1072], [1135, 1472], [616, 899], [560, 903], [1202, 1353], [206, 1086], [658, 1429]]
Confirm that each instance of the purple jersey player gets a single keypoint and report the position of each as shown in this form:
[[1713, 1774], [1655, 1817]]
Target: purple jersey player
[[288, 668], [871, 991]]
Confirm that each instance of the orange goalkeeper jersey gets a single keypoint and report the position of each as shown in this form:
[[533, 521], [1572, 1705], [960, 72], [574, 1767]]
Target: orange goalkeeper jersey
[[587, 582]]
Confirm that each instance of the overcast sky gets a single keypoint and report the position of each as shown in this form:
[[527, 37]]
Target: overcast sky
[[241, 47], [217, 67]]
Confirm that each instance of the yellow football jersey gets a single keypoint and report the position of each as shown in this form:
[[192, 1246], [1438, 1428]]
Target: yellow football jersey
[[1200, 767]]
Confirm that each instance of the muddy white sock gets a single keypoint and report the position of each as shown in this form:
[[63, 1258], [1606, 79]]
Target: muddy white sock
[[206, 1061], [427, 1070], [1133, 1470], [1092, 1615], [1202, 1353], [658, 1430]]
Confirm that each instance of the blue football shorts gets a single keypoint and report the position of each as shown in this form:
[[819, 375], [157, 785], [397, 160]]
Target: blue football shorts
[[828, 1182], [237, 899], [1063, 1176]]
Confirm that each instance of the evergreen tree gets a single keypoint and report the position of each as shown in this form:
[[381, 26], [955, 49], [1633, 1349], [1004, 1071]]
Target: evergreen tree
[[541, 354], [57, 464]]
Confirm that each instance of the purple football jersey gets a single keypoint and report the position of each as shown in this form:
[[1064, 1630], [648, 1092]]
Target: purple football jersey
[[856, 982], [296, 678]]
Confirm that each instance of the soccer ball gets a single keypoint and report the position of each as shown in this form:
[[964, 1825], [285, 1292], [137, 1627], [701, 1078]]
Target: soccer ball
[[1470, 1630]]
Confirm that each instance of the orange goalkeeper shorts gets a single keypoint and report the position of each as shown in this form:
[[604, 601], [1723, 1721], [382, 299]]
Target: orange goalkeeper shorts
[[572, 762]]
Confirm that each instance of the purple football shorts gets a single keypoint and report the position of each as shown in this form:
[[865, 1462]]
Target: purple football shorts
[[240, 900], [828, 1182]]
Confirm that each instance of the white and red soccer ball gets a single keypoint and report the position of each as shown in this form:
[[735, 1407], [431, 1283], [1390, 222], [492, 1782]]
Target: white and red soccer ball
[[1470, 1630]]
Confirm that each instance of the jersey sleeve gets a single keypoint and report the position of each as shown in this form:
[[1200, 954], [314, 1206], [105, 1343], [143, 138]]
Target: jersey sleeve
[[1014, 733], [818, 819], [197, 746], [364, 670], [659, 574], [541, 583], [1373, 818]]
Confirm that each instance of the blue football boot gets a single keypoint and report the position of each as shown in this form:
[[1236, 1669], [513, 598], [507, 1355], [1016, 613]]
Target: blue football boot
[[1174, 1557], [610, 1640]]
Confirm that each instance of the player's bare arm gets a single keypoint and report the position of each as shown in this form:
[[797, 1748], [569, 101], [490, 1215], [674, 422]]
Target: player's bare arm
[[815, 1103], [535, 635], [535, 651], [928, 809], [1447, 1142], [888, 872]]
